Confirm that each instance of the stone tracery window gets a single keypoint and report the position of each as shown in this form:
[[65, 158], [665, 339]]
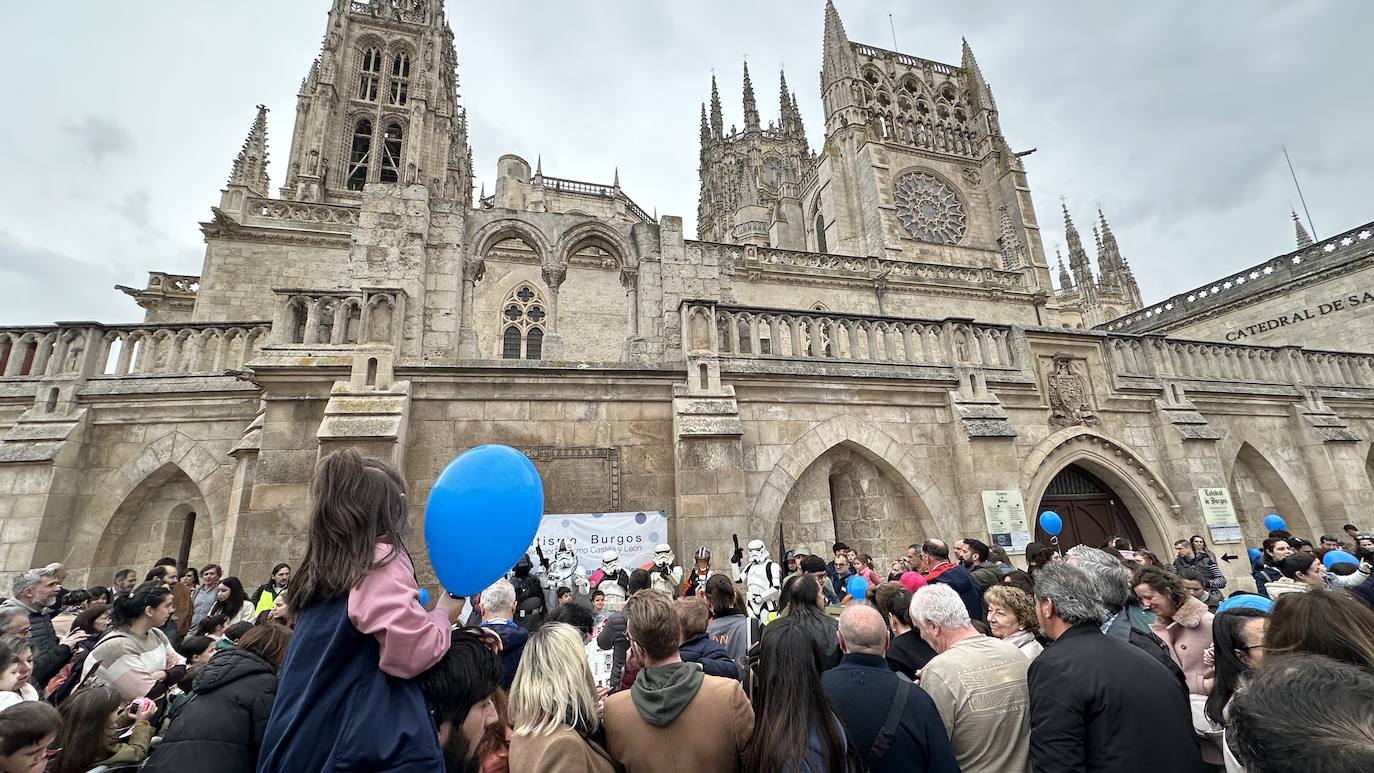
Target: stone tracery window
[[929, 209], [399, 80], [523, 320], [390, 171], [369, 74], [360, 151]]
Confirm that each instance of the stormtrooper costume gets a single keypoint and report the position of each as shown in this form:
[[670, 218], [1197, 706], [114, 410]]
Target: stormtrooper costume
[[564, 572], [665, 575], [701, 572], [762, 580], [611, 580]]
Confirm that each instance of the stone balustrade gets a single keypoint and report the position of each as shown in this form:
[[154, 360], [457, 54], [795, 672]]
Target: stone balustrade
[[1156, 356], [338, 317], [87, 349], [735, 331], [319, 217]]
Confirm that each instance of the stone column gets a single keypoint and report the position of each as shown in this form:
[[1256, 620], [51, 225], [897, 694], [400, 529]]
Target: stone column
[[553, 343], [473, 270], [629, 279]]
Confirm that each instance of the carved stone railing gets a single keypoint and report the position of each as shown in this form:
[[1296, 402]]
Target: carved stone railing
[[780, 334], [580, 188], [87, 349], [338, 317], [319, 217], [1272, 273], [1154, 356], [759, 260]]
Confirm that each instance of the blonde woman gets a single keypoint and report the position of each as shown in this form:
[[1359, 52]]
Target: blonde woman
[[553, 706], [1011, 617]]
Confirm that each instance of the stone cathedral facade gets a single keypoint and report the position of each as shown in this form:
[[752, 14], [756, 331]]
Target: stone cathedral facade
[[862, 342]]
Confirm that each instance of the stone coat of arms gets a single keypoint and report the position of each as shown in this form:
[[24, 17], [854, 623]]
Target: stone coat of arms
[[1068, 396]]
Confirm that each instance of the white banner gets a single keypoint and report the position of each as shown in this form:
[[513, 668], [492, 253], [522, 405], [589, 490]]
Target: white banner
[[591, 534]]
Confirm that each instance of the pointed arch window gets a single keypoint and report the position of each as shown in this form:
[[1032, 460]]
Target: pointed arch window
[[523, 320], [359, 153], [391, 153], [369, 74], [820, 228], [400, 78]]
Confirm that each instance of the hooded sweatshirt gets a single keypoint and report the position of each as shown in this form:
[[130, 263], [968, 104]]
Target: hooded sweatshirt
[[662, 692]]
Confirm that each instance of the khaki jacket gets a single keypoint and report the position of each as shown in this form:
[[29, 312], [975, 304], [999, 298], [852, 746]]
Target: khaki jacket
[[561, 750], [711, 734]]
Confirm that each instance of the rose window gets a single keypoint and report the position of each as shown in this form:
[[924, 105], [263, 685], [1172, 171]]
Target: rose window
[[928, 209]]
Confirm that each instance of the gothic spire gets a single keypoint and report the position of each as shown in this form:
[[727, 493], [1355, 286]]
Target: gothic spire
[[785, 104], [801, 127], [1304, 238], [1078, 257], [717, 122], [1071, 234], [751, 109], [837, 59], [1065, 281], [970, 64], [705, 127], [250, 167]]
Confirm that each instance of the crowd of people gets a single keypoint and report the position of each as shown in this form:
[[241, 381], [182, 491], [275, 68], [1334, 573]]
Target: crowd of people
[[1097, 659]]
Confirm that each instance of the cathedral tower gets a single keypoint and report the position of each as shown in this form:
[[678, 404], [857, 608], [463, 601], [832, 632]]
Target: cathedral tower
[[750, 179], [914, 164], [380, 104]]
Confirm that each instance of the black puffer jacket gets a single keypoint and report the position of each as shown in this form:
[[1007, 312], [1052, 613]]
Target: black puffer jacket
[[219, 728]]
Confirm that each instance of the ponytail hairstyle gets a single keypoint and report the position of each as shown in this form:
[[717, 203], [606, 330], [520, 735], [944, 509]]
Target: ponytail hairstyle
[[129, 607], [356, 502]]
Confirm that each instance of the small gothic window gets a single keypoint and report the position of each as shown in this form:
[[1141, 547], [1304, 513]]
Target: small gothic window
[[369, 73], [523, 321], [820, 231], [391, 154], [400, 78], [358, 154], [772, 172]]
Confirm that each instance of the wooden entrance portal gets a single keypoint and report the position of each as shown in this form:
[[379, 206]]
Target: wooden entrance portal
[[1091, 511]]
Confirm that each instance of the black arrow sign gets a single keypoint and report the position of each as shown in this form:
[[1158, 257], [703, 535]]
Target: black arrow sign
[[1228, 557]]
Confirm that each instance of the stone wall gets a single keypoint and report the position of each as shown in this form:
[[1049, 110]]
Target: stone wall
[[239, 275]]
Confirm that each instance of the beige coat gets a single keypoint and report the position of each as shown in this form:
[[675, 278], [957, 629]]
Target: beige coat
[[561, 750], [709, 736]]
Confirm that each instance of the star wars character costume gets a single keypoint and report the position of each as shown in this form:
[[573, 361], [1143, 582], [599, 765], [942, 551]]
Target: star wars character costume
[[665, 575], [762, 578]]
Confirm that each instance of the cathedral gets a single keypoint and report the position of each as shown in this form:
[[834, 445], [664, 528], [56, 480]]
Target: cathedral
[[864, 341]]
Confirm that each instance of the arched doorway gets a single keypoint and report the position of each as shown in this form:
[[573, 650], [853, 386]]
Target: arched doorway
[[1091, 511], [849, 496], [158, 518]]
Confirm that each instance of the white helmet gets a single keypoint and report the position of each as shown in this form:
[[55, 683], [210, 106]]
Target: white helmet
[[610, 560], [663, 554], [758, 552]]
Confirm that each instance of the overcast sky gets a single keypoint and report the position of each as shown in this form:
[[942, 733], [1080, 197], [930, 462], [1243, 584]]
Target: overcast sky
[[124, 118]]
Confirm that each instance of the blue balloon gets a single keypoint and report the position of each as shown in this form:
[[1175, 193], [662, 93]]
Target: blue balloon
[[1275, 522], [1051, 523], [424, 597], [481, 516], [1334, 557], [856, 587], [1254, 554]]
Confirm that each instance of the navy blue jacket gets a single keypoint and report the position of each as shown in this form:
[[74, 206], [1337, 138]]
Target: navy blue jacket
[[961, 580], [861, 690], [513, 638], [336, 710], [714, 660]]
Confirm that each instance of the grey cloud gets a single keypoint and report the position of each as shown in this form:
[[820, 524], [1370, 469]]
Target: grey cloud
[[43, 286], [99, 137]]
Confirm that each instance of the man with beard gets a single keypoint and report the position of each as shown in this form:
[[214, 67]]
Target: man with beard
[[459, 690]]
